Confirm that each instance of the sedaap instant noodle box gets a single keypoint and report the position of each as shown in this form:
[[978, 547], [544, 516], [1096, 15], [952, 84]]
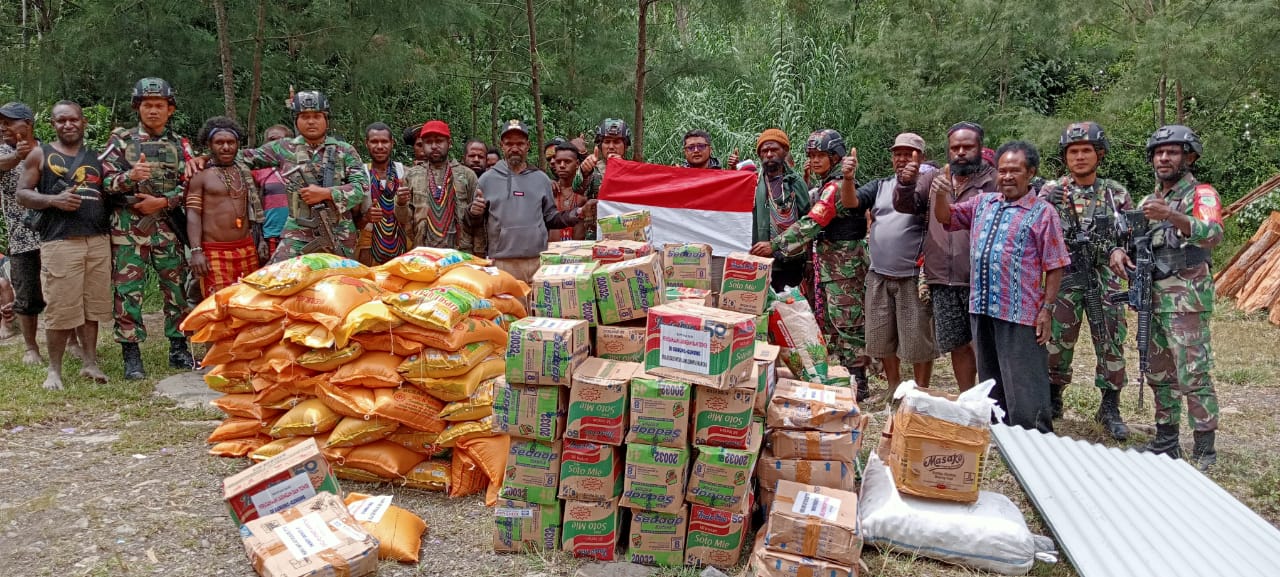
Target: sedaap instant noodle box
[[632, 226], [533, 472], [654, 478], [687, 265], [624, 342], [546, 351], [658, 538], [615, 251], [627, 290], [723, 417], [520, 526], [590, 471], [567, 252], [721, 477], [564, 292], [701, 345], [529, 411]]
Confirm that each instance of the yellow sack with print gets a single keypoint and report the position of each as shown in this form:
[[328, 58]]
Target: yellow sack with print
[[310, 417], [479, 406], [352, 431], [484, 281], [429, 475], [438, 363], [461, 387], [437, 309], [373, 316], [467, 430], [310, 335], [325, 360], [291, 276]]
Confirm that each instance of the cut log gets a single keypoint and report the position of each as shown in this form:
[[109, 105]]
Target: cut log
[[1240, 270], [1263, 288]]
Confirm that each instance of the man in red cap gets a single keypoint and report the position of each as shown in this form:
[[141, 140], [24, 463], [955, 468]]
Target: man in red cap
[[383, 237], [433, 206]]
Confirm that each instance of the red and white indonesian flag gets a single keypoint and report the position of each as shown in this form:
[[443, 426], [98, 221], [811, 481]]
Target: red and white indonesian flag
[[686, 204]]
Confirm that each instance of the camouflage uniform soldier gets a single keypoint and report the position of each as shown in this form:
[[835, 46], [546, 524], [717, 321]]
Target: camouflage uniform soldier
[[323, 175], [839, 255], [1186, 223], [1087, 206], [613, 137], [144, 170]]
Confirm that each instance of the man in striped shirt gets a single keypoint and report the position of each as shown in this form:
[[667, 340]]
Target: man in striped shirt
[[1017, 255]]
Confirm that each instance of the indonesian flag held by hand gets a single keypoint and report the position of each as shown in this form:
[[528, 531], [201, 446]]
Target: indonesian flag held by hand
[[686, 204]]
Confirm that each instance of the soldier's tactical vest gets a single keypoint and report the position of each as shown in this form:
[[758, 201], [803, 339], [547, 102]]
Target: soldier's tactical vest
[[164, 155], [310, 173], [848, 224], [1168, 251]]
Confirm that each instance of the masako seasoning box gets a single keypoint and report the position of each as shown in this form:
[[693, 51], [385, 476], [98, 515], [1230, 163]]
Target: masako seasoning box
[[654, 478], [745, 287], [564, 292], [701, 345], [590, 471], [591, 529], [715, 537], [658, 538], [545, 351], [598, 401]]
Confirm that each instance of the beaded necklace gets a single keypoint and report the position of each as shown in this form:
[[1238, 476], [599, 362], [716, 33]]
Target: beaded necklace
[[236, 190], [387, 243], [440, 213]]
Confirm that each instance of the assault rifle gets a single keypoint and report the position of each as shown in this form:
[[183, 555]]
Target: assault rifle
[[1082, 244], [1135, 224], [318, 217]]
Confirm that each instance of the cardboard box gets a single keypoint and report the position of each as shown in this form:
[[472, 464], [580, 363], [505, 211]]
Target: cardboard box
[[564, 291], [838, 376], [627, 290], [660, 412], [615, 251], [567, 252], [721, 477], [811, 406], [545, 351], [655, 477], [520, 526], [701, 345], [590, 471], [688, 265], [722, 417], [623, 342], [532, 473], [766, 562], [745, 287], [936, 458], [766, 359], [694, 295], [598, 401], [834, 474], [815, 445], [816, 522], [281, 482], [715, 537], [762, 327], [314, 538], [529, 411], [626, 226], [591, 529], [658, 538]]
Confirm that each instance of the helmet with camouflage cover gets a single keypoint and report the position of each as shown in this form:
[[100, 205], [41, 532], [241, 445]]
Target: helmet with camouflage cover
[[826, 140], [153, 87], [309, 101], [1174, 134], [1089, 132], [614, 127]]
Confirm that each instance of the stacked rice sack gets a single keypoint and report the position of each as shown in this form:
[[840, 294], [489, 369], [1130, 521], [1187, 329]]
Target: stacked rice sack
[[391, 369]]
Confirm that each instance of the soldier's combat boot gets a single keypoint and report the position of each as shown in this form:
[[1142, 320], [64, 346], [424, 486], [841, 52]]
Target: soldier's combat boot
[[859, 375], [1203, 453], [133, 370], [1165, 442], [180, 355], [1055, 397], [1109, 416]]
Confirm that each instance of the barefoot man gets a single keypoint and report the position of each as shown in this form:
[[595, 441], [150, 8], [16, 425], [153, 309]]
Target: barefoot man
[[224, 211]]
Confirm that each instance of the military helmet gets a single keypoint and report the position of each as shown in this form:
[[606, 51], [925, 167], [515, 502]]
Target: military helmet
[[309, 101], [1089, 132], [153, 87], [1175, 134], [614, 127], [826, 140]]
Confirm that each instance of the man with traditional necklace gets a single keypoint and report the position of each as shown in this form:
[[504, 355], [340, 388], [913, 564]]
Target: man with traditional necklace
[[433, 206], [781, 199], [383, 238], [564, 162], [224, 211]]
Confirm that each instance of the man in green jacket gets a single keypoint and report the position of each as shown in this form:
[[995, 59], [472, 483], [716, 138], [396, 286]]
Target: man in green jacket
[[781, 199]]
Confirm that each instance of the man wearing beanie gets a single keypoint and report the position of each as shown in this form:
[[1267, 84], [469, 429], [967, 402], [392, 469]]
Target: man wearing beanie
[[781, 199]]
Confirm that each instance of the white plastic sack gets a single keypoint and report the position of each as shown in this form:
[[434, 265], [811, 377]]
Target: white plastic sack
[[972, 408], [989, 534]]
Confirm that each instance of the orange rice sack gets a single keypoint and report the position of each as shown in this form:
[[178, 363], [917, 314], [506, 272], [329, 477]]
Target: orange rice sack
[[235, 428], [372, 369], [388, 281], [458, 432], [373, 316], [310, 417], [415, 285], [484, 308], [258, 336], [436, 363], [210, 310], [418, 441], [352, 431], [223, 352], [277, 397], [435, 308], [326, 360], [309, 335], [275, 448], [291, 276], [395, 342], [483, 281], [328, 301], [461, 387], [413, 409], [239, 447], [429, 475], [301, 381], [479, 406], [510, 305], [251, 305], [232, 377], [465, 476], [352, 474], [383, 458], [215, 331], [490, 454], [470, 330], [242, 405], [355, 402], [410, 266], [399, 532], [279, 358]]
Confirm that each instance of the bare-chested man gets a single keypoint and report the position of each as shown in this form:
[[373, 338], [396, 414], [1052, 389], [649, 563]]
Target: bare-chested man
[[224, 211]]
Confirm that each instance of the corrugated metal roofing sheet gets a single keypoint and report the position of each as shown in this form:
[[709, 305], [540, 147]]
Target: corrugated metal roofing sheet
[[1124, 513]]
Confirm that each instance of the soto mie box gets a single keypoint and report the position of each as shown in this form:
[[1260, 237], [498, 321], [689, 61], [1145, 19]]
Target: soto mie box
[[660, 412], [654, 478], [722, 417], [615, 251], [811, 406], [295, 475], [627, 290], [316, 537], [632, 226], [623, 342], [598, 401], [658, 538], [721, 477], [701, 345], [520, 526], [745, 287], [688, 265], [715, 537], [933, 457], [567, 252], [816, 522], [590, 471], [532, 473], [529, 411], [545, 351], [564, 291], [591, 529]]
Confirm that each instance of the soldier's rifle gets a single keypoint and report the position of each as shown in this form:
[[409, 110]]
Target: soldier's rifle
[[321, 216], [1134, 225], [1081, 242]]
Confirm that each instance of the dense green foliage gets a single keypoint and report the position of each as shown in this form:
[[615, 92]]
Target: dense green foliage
[[870, 68]]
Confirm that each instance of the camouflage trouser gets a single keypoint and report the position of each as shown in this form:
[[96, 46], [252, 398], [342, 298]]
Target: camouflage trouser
[[291, 247], [129, 263], [1068, 315], [841, 317], [1181, 359]]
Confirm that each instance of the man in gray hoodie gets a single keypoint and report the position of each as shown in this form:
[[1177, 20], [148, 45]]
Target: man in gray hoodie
[[517, 205]]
